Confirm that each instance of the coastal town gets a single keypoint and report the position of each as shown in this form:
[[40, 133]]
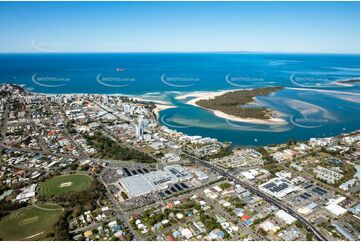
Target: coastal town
[[101, 167]]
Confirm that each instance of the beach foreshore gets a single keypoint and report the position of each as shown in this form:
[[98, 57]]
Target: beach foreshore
[[202, 95], [157, 102], [209, 95], [161, 107]]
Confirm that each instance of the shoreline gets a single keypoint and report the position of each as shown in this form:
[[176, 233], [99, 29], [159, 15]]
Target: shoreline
[[204, 94], [161, 107], [209, 95], [156, 102]]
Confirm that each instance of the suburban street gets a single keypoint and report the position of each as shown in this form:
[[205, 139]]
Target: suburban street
[[263, 195]]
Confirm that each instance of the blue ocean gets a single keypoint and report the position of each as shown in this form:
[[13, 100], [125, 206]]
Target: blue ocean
[[315, 101]]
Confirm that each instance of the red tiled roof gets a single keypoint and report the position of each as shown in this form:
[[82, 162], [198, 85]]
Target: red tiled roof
[[170, 238], [169, 205]]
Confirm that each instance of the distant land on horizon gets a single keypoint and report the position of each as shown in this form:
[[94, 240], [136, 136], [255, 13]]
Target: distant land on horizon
[[184, 52]]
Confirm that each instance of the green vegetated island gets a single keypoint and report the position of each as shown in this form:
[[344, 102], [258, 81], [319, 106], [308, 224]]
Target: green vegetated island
[[233, 102]]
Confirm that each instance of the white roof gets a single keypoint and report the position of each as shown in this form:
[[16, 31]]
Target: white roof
[[217, 188], [278, 187], [268, 226], [201, 175], [304, 210], [112, 223], [248, 175], [207, 191], [187, 233], [336, 200], [137, 185], [226, 204], [287, 218], [336, 209], [159, 179]]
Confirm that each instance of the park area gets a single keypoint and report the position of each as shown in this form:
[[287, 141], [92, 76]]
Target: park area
[[65, 183], [30, 223]]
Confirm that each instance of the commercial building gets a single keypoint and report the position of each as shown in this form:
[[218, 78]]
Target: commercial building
[[278, 187], [284, 216], [268, 226], [333, 207], [137, 185], [140, 184], [201, 176]]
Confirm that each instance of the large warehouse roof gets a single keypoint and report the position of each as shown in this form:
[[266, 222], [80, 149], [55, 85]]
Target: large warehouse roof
[[278, 187], [159, 179], [140, 184], [137, 185]]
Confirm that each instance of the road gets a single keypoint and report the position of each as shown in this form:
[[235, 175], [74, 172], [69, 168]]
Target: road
[[115, 163], [317, 234], [4, 122], [41, 141], [66, 131], [220, 211], [92, 225], [122, 216]]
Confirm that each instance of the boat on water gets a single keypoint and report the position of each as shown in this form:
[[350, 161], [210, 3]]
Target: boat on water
[[120, 69]]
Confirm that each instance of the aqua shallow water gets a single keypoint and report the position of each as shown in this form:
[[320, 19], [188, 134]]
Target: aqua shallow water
[[312, 103]]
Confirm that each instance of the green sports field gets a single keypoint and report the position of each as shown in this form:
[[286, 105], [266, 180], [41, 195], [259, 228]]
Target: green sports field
[[65, 183], [30, 223]]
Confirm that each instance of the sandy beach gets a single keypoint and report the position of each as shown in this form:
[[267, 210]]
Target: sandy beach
[[202, 95], [151, 100], [207, 95], [161, 107]]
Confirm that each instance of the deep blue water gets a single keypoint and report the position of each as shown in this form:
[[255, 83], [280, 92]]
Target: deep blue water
[[318, 106]]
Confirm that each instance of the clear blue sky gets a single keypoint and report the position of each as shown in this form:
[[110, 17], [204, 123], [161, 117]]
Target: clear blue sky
[[322, 27]]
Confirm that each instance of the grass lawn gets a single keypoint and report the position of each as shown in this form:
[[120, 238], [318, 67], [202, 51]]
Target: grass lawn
[[30, 223], [65, 183]]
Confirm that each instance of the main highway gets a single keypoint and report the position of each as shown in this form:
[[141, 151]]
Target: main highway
[[317, 234]]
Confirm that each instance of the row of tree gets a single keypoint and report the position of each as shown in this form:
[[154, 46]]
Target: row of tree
[[109, 149]]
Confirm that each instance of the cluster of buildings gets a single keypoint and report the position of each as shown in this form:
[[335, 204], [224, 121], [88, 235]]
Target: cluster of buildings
[[278, 187], [142, 184], [99, 224], [328, 175], [22, 168], [240, 158], [175, 198]]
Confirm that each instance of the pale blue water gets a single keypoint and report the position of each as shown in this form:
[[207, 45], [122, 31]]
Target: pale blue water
[[308, 112]]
